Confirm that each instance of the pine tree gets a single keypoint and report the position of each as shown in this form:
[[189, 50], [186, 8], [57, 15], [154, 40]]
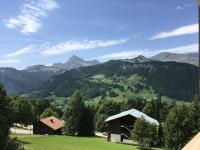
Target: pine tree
[[72, 114], [5, 117], [86, 127]]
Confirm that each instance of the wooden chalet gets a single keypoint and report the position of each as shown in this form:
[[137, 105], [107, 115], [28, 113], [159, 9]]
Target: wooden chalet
[[50, 125], [121, 125]]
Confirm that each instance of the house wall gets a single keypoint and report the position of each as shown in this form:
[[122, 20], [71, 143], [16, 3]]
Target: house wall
[[118, 133], [42, 129], [115, 138]]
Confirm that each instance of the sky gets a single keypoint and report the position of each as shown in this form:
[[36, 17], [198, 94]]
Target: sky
[[49, 31]]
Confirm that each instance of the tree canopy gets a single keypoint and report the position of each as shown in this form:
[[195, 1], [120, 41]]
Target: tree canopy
[[5, 117], [72, 114]]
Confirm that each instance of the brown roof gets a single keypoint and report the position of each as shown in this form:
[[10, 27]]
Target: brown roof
[[193, 144], [53, 122]]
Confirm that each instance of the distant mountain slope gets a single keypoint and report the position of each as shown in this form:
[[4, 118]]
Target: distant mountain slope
[[75, 62], [191, 58], [175, 80], [19, 81], [140, 59], [31, 78], [43, 68]]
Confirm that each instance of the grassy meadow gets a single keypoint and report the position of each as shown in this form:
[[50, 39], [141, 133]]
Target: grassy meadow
[[36, 142]]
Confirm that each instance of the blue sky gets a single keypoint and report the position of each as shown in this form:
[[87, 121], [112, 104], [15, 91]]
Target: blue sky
[[48, 31]]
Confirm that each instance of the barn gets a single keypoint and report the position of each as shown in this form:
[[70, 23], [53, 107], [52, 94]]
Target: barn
[[119, 126], [50, 125]]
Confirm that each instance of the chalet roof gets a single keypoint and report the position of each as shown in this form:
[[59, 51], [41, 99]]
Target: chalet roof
[[133, 112], [53, 122], [193, 144]]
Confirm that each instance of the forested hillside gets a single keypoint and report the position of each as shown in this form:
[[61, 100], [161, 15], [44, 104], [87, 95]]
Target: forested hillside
[[32, 77], [122, 78], [20, 81]]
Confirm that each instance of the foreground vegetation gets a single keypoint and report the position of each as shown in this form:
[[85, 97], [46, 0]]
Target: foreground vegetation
[[178, 122], [71, 143]]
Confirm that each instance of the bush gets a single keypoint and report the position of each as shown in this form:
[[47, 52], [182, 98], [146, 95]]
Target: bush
[[144, 132], [48, 112], [13, 144]]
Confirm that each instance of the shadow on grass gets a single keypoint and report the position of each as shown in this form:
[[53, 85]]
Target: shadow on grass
[[24, 142], [145, 148]]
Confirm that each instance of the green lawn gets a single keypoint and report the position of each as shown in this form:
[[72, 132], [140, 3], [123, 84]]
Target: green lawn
[[35, 142]]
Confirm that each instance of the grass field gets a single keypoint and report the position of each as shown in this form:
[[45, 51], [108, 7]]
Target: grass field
[[35, 142]]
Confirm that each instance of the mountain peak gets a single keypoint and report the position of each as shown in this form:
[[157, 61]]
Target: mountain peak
[[74, 58], [75, 62], [140, 58]]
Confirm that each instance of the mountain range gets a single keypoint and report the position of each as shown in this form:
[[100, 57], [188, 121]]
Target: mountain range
[[72, 62], [191, 58], [126, 79], [61, 79], [31, 78]]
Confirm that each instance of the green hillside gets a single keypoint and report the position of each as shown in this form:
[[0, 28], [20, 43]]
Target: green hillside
[[120, 79]]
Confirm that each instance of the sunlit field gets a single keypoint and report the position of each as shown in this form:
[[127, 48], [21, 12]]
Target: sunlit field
[[35, 142]]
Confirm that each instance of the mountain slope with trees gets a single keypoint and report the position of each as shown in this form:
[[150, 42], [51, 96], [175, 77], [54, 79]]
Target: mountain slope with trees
[[31, 78], [174, 80]]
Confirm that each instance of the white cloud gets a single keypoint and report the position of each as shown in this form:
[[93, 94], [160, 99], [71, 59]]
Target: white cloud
[[122, 55], [182, 49], [184, 30], [9, 61], [148, 53], [68, 46], [184, 6], [20, 52], [28, 20]]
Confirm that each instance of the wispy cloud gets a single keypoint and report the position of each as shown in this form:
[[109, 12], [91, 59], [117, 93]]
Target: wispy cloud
[[182, 49], [184, 30], [20, 52], [122, 55], [28, 20], [9, 61], [68, 46], [148, 53], [184, 6]]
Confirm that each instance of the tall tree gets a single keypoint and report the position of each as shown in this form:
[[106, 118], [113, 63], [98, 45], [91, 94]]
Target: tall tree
[[136, 102], [48, 112], [86, 126], [179, 127], [144, 132], [72, 114], [105, 109], [23, 111], [40, 106], [158, 109], [5, 117]]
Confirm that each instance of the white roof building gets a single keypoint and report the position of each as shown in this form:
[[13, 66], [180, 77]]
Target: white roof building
[[135, 113]]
